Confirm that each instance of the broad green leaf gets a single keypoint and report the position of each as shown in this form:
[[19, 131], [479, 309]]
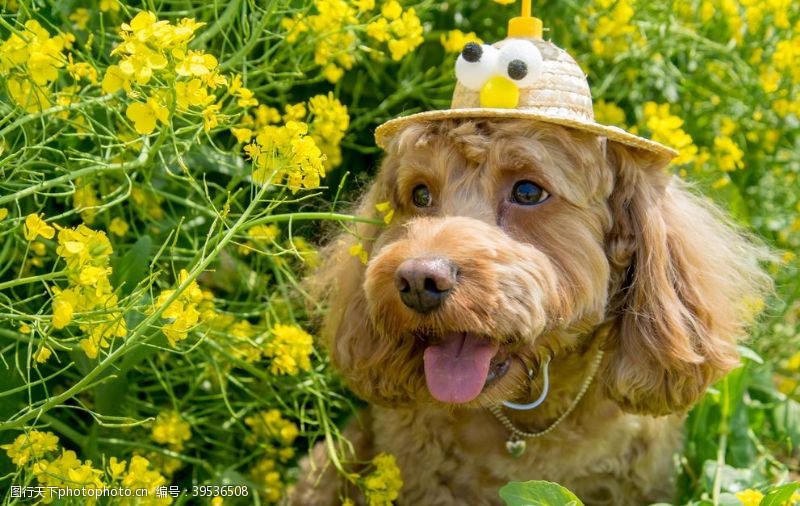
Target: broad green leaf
[[779, 496], [538, 493], [731, 478]]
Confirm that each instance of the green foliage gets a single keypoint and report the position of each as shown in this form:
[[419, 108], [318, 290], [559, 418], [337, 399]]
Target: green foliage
[[537, 493], [207, 162]]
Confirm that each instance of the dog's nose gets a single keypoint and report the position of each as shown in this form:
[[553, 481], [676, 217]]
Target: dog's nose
[[424, 283]]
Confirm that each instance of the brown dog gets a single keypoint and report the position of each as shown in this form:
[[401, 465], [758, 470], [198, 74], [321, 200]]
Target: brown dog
[[514, 241], [531, 247]]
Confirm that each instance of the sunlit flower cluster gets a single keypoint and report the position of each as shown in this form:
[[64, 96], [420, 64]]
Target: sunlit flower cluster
[[454, 40], [170, 429], [52, 466], [87, 253], [30, 61], [182, 313], [153, 52], [286, 155], [340, 23], [290, 349], [665, 127], [610, 27], [382, 486]]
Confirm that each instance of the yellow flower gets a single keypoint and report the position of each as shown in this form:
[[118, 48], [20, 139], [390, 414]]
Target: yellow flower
[[387, 210], [666, 128], [182, 312], [25, 328], [750, 497], [43, 354], [289, 349], [264, 233], [81, 70], [608, 113], [455, 40], [140, 476], [194, 63], [114, 80], [296, 112], [391, 10], [116, 467], [30, 446], [210, 117], [144, 115], [170, 429], [64, 304], [242, 134], [80, 17], [118, 227], [192, 93], [109, 5], [30, 96], [35, 226], [3, 213], [504, 2], [729, 155], [271, 425], [357, 250], [382, 486]]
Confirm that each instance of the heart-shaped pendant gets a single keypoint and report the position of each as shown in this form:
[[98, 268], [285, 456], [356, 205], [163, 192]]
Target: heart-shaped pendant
[[516, 447]]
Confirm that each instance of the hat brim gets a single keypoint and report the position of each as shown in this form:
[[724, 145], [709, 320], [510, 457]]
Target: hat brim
[[387, 130]]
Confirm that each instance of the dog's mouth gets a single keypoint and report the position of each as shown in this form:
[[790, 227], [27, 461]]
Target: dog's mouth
[[461, 364]]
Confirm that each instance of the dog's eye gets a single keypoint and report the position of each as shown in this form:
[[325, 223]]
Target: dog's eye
[[528, 193], [421, 196]]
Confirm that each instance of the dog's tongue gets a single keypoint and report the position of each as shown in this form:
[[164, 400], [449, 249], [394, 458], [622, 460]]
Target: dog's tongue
[[456, 369]]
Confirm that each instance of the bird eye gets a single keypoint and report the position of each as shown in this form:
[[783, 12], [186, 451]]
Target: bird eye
[[475, 65], [521, 61], [528, 193], [421, 196]]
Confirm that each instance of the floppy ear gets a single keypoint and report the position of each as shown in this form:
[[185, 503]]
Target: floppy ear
[[372, 365], [687, 282]]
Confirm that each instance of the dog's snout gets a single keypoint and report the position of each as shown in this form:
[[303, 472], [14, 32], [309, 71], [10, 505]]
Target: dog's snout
[[424, 283]]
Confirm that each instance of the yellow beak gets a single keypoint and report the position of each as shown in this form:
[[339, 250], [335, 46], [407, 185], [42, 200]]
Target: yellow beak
[[500, 92]]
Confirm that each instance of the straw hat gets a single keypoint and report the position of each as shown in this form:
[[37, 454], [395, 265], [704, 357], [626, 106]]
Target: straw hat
[[522, 77]]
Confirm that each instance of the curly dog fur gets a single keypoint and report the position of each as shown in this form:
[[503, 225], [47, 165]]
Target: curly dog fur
[[620, 257]]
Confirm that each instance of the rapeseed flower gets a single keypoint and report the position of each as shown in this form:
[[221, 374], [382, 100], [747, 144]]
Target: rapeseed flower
[[182, 312], [144, 115], [30, 446], [729, 155], [455, 40], [35, 227], [358, 251], [290, 349], [666, 129], [170, 429], [382, 486], [750, 497]]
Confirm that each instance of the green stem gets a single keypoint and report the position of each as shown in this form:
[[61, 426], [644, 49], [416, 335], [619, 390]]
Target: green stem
[[94, 169], [138, 332], [31, 279], [55, 110], [65, 429]]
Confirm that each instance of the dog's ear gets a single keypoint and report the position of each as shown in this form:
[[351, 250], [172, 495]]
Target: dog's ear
[[686, 285], [370, 365]]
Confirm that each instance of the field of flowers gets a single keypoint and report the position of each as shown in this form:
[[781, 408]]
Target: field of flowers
[[168, 170]]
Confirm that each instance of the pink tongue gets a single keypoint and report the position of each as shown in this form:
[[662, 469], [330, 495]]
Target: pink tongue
[[456, 369]]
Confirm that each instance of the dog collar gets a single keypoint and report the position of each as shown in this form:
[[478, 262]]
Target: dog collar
[[516, 444]]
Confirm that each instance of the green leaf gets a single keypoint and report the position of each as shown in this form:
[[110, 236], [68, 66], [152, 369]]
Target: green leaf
[[779, 495], [132, 268], [538, 493]]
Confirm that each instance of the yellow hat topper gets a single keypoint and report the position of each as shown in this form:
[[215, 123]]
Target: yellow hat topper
[[522, 77]]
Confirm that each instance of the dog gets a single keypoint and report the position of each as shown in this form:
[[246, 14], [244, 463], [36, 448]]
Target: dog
[[532, 254]]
